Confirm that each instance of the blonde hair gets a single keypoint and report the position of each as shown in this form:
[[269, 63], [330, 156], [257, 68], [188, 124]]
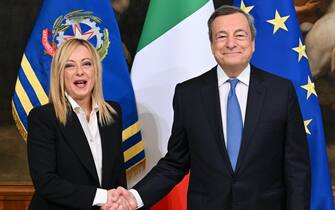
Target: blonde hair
[[57, 86]]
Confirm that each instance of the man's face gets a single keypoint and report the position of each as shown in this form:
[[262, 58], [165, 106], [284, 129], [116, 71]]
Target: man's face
[[232, 44]]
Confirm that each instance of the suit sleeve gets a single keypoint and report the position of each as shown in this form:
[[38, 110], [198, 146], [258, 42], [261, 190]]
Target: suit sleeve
[[174, 166], [297, 165], [42, 164]]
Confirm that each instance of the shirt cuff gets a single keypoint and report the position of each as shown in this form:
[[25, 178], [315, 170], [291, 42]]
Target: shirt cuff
[[137, 198], [100, 197]]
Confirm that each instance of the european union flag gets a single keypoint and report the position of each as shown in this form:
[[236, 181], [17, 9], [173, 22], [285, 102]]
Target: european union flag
[[280, 50], [58, 21]]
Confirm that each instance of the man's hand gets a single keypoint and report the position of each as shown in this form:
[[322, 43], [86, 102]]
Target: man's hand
[[120, 199], [116, 202], [128, 196]]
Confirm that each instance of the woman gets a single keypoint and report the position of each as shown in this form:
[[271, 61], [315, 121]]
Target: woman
[[74, 142]]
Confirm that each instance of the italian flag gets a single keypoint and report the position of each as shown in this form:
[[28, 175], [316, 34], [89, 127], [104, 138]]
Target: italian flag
[[174, 46]]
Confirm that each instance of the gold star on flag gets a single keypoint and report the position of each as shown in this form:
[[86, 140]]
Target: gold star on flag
[[310, 88], [244, 8], [306, 123], [301, 50], [278, 22]]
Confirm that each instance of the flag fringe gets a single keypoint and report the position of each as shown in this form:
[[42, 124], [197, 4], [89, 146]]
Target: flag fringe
[[136, 169], [18, 123]]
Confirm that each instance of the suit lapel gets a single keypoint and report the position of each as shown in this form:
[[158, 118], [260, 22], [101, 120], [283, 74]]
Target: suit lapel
[[108, 142], [211, 100], [256, 95], [76, 138]]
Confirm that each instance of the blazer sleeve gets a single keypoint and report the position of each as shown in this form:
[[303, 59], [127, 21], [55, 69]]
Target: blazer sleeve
[[174, 166], [297, 164], [42, 164]]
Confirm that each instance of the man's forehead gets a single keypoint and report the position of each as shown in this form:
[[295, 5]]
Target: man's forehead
[[232, 31], [230, 22]]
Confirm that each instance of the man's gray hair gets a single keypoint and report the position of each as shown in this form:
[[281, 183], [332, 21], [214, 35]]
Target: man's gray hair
[[229, 10]]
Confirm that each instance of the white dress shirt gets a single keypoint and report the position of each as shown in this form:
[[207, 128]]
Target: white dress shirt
[[91, 130], [241, 93], [224, 87]]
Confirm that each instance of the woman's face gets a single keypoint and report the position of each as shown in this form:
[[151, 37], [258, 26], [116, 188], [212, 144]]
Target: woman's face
[[79, 74]]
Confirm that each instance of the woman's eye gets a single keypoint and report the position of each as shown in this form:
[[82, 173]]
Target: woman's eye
[[67, 66], [86, 65]]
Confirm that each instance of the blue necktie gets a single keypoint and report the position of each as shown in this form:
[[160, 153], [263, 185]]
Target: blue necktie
[[234, 124]]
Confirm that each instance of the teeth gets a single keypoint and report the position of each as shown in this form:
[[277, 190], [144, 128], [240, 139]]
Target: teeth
[[80, 82]]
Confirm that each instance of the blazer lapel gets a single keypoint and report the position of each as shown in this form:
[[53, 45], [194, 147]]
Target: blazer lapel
[[211, 100], [108, 142], [256, 95], [76, 138]]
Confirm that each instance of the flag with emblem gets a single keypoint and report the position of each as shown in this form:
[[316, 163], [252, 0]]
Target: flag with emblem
[[174, 47], [60, 20], [280, 50]]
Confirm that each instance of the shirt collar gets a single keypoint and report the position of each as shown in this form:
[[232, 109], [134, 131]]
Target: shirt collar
[[244, 77], [75, 106]]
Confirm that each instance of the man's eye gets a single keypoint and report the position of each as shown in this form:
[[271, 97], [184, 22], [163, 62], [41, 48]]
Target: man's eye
[[241, 36], [221, 37]]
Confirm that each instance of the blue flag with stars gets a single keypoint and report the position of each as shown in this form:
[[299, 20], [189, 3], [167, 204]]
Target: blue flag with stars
[[58, 21], [280, 50]]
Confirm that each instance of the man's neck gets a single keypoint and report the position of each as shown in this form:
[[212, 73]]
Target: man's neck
[[233, 72]]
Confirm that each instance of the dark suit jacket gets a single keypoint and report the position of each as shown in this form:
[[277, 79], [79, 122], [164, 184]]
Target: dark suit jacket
[[272, 171], [61, 164]]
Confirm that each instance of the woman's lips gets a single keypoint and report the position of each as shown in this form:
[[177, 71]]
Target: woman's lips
[[80, 83]]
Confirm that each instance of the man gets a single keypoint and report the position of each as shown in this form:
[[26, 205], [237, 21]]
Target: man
[[237, 129]]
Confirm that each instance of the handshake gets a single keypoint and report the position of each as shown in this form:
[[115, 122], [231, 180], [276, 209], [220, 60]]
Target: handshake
[[120, 199]]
